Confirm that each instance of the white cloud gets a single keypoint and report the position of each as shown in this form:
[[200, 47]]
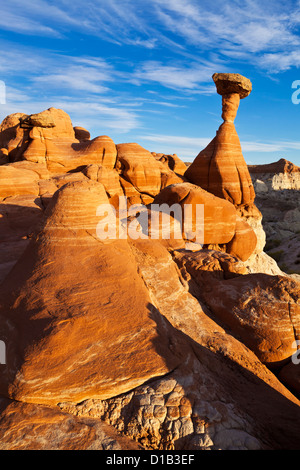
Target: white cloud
[[259, 32], [183, 77], [34, 17], [189, 147]]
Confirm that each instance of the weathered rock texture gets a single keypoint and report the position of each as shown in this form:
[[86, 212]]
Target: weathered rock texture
[[232, 83], [25, 426], [126, 342], [69, 315]]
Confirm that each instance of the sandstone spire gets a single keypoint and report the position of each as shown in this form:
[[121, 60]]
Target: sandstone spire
[[220, 168]]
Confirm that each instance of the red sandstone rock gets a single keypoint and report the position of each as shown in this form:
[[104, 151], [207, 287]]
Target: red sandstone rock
[[173, 162], [219, 265], [290, 375], [219, 215], [220, 168], [49, 138], [263, 310], [62, 156], [15, 182], [13, 139], [244, 242], [76, 317], [56, 123], [85, 319], [139, 167], [108, 177], [81, 134], [282, 166]]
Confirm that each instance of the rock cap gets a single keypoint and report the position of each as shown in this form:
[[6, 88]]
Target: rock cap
[[228, 83]]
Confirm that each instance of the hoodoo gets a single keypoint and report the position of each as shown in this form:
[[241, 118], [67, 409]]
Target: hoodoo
[[220, 168]]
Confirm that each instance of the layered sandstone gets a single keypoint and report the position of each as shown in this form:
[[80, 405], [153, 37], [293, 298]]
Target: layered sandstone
[[220, 168], [67, 321], [170, 342]]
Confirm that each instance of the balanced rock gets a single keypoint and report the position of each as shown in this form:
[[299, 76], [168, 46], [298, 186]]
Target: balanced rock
[[56, 124], [220, 168], [81, 134], [228, 83]]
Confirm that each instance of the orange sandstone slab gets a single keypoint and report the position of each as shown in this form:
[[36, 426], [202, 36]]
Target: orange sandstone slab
[[17, 182], [218, 217]]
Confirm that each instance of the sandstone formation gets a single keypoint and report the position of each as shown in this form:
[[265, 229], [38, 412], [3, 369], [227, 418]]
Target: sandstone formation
[[32, 427], [172, 161], [244, 241], [15, 182], [219, 216], [139, 167], [281, 166], [277, 188], [81, 134], [76, 334], [263, 310], [119, 338], [290, 375], [220, 168]]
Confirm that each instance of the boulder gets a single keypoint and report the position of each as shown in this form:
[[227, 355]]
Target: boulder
[[13, 139], [210, 264], [81, 134], [56, 124], [244, 242], [263, 310], [228, 83], [216, 217], [290, 375]]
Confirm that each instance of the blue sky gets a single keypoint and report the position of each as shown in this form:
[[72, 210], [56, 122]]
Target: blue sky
[[140, 71]]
